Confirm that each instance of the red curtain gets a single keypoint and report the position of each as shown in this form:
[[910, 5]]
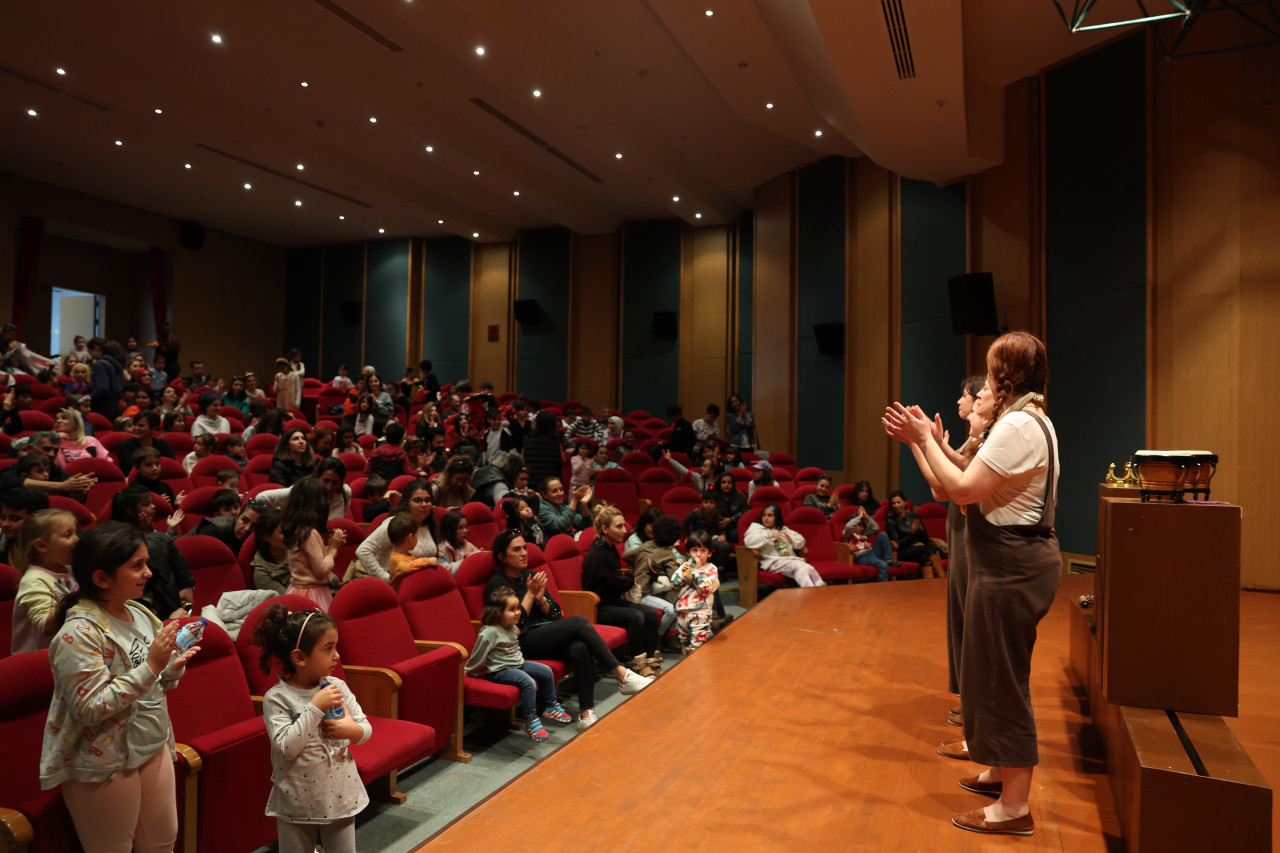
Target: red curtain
[[30, 230], [159, 287]]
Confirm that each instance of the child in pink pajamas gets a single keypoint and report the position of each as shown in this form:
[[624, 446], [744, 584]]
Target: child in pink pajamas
[[697, 581]]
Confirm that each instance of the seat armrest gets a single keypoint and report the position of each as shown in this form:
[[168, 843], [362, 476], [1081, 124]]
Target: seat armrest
[[579, 602], [376, 688], [190, 758], [15, 830], [454, 751], [844, 552], [748, 576], [643, 504], [432, 645], [476, 625]]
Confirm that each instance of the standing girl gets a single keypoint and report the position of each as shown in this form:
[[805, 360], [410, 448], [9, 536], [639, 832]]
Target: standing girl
[[45, 557], [311, 717], [108, 741], [310, 562], [778, 546], [497, 656]]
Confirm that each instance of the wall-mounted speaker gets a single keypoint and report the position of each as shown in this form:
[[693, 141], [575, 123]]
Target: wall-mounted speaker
[[666, 325], [526, 310], [351, 312], [191, 235], [973, 304], [830, 337]]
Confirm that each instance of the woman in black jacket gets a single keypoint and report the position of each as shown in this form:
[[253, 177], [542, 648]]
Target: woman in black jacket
[[293, 460], [604, 574], [906, 529], [731, 504], [543, 454]]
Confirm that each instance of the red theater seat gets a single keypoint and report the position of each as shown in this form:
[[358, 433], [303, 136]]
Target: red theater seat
[[214, 567]]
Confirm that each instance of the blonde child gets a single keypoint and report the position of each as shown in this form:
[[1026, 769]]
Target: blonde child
[[697, 581], [310, 562], [311, 717], [402, 530], [497, 656], [108, 741], [47, 538]]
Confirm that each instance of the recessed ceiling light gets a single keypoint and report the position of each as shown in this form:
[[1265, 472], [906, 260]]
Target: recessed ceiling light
[[430, 148], [159, 111], [217, 39], [439, 221], [118, 142], [248, 186], [475, 235], [300, 167], [342, 217], [373, 119], [517, 192], [32, 113], [817, 133], [479, 51], [382, 231], [475, 172], [697, 216], [186, 165], [710, 13], [62, 72], [304, 84], [675, 198], [768, 106], [297, 203], [537, 93], [617, 156]]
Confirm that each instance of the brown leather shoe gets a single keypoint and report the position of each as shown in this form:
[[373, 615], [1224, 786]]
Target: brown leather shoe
[[975, 821], [991, 789], [954, 749], [955, 719]]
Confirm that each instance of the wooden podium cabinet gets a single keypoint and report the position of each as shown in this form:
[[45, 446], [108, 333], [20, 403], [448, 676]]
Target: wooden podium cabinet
[[1168, 604]]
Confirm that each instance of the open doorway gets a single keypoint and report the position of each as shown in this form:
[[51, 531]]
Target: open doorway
[[73, 313]]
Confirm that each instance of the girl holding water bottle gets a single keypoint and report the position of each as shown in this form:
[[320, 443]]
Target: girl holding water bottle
[[108, 741], [311, 716]]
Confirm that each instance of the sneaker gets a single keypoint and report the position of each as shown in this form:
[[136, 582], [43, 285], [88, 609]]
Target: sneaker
[[586, 720], [633, 683], [534, 729], [556, 713]]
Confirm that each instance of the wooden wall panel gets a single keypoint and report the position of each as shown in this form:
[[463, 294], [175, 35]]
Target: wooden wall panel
[[1215, 279], [773, 394], [872, 346], [492, 289], [593, 321], [706, 339]]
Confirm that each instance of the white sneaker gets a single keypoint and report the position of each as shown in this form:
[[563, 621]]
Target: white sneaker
[[586, 720], [633, 683]]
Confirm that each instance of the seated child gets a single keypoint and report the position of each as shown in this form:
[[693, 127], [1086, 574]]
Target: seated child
[[204, 446], [47, 539], [270, 562], [146, 461], [375, 492], [228, 479], [454, 546], [497, 656], [402, 530], [870, 545], [697, 582], [15, 506], [521, 516], [234, 447], [33, 466]]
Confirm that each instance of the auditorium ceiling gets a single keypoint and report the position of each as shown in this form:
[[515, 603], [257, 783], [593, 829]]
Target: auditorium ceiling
[[299, 122]]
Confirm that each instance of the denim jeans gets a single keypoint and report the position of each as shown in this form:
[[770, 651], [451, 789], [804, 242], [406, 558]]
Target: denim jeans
[[532, 678], [668, 609], [879, 556]]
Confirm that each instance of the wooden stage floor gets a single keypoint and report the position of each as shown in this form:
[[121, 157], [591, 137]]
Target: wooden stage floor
[[812, 722]]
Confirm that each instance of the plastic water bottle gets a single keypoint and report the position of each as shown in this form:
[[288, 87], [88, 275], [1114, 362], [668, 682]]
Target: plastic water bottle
[[334, 712], [190, 634]]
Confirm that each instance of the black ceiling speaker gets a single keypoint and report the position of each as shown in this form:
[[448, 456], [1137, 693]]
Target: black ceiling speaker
[[526, 310], [191, 235], [666, 325], [830, 337], [973, 304], [351, 312]]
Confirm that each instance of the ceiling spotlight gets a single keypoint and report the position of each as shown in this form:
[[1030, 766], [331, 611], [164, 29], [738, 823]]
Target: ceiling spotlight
[[768, 106], [304, 84], [118, 142], [62, 72], [299, 167], [710, 13], [382, 231], [159, 111], [430, 148], [479, 51], [217, 39], [32, 113], [537, 93], [617, 156], [248, 186], [186, 165], [475, 235], [697, 216], [439, 221], [675, 198], [297, 203], [817, 133], [475, 172], [342, 217], [373, 119], [517, 192]]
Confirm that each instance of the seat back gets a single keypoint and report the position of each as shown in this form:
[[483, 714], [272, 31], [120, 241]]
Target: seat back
[[616, 486], [434, 608], [347, 552], [749, 518], [206, 471], [111, 441], [564, 562], [257, 472], [110, 480], [482, 528], [181, 442], [260, 444], [655, 424], [249, 654], [798, 496], [839, 519], [244, 558], [213, 566], [372, 630], [934, 517], [635, 462], [355, 463], [213, 692], [741, 478], [765, 495], [199, 501], [473, 575], [681, 501], [84, 518], [813, 526], [808, 475], [785, 480], [172, 472], [34, 421], [784, 461], [846, 493]]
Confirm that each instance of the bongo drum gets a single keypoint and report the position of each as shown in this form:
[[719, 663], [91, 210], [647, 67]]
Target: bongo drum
[[1161, 473]]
